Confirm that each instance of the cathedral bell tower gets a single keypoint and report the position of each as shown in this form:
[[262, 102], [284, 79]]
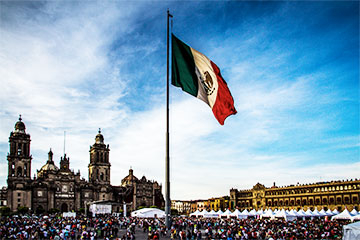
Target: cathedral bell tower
[[99, 167], [19, 167], [19, 158]]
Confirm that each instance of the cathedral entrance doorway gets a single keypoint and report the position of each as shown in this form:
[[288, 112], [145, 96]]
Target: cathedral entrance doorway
[[64, 207]]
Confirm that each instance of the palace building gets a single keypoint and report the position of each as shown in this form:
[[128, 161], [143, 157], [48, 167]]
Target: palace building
[[61, 188], [322, 195]]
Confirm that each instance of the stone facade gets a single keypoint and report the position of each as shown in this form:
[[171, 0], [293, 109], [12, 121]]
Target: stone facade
[[328, 195], [62, 188]]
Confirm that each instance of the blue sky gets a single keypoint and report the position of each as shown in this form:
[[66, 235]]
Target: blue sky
[[292, 68]]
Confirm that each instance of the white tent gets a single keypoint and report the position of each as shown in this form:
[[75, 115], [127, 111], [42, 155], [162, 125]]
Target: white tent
[[283, 214], [203, 213], [308, 213], [323, 213], [236, 213], [329, 212], [148, 213], [316, 213], [244, 214], [253, 213], [227, 213], [351, 231], [354, 212], [335, 212], [268, 214], [293, 212], [211, 214], [220, 212], [260, 212], [343, 215], [301, 213], [196, 213]]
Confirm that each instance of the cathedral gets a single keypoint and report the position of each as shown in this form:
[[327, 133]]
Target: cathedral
[[58, 187]]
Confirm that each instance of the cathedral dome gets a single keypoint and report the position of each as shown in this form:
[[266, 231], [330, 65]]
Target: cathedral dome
[[20, 126], [129, 179], [49, 166], [99, 138]]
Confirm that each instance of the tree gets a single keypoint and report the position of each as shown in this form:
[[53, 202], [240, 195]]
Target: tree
[[53, 210], [5, 211], [22, 210], [39, 210]]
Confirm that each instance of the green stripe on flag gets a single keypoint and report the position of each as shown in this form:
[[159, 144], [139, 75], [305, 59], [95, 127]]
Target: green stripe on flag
[[183, 67]]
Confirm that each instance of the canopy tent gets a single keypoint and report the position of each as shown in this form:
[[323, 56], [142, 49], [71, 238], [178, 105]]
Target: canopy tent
[[227, 213], [211, 214], [244, 214], [195, 214], [203, 213], [329, 212], [148, 213], [268, 214], [253, 213], [301, 213], [323, 213], [309, 213], [236, 213], [316, 213], [335, 212], [354, 212], [293, 212], [283, 214], [220, 212], [345, 215], [351, 231], [260, 212]]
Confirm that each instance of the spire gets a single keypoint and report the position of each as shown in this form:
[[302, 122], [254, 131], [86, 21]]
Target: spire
[[50, 156]]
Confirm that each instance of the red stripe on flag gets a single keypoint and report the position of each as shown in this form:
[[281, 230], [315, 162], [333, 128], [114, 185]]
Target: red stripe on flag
[[224, 103]]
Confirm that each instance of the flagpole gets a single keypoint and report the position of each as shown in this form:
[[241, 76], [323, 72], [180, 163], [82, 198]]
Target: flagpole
[[167, 157]]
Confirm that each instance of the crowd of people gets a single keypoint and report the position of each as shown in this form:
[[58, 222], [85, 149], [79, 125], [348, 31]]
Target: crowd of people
[[183, 228]]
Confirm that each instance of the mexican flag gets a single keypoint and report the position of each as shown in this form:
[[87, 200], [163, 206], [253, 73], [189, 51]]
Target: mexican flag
[[200, 77]]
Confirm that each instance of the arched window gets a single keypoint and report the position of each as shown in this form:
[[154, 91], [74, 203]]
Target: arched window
[[101, 176], [19, 149], [25, 169], [13, 170], [19, 172]]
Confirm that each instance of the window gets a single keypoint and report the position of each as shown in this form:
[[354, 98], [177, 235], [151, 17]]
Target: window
[[19, 171], [19, 194]]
